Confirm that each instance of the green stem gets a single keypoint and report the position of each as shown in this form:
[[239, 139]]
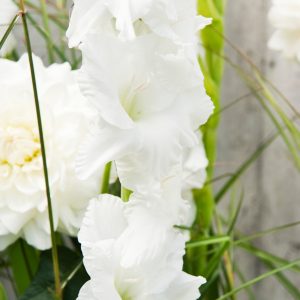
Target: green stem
[[105, 179], [47, 30], [58, 291], [8, 31], [125, 194]]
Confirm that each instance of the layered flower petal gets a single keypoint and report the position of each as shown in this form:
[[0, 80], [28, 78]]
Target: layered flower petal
[[127, 19], [113, 276], [66, 118], [149, 108]]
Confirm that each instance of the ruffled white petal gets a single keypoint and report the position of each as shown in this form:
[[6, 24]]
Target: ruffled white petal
[[66, 118]]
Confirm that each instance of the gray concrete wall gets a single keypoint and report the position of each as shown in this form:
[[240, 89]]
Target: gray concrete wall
[[272, 184]]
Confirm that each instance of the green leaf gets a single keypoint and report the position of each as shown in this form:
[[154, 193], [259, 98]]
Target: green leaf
[[72, 274], [23, 261], [8, 31], [208, 241], [3, 295], [259, 278], [265, 232], [244, 167], [285, 282], [267, 256]]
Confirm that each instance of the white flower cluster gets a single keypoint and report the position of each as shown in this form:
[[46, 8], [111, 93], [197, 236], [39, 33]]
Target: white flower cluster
[[285, 17], [8, 10], [66, 117], [141, 74]]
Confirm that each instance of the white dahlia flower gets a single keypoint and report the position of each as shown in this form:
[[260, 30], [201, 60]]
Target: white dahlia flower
[[8, 10], [285, 17], [108, 227], [66, 117], [150, 106], [174, 19]]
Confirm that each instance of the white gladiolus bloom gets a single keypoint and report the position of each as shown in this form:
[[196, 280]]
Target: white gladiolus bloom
[[8, 10], [285, 17], [108, 227], [195, 163], [66, 117], [194, 174], [149, 105], [173, 19]]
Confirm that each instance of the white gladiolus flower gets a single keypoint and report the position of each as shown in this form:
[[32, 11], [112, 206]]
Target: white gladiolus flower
[[195, 163], [108, 227], [194, 174], [173, 19], [66, 117], [7, 12], [149, 105], [285, 17]]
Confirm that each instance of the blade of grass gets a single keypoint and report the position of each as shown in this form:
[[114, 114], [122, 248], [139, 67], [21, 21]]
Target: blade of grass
[[247, 59], [41, 31], [249, 291], [215, 261], [45, 19], [288, 123], [43, 150], [265, 232], [8, 31], [285, 282], [208, 241], [245, 166], [236, 214], [266, 255], [3, 295], [259, 278]]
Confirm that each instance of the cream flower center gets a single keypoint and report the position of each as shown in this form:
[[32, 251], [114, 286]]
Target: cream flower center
[[129, 99], [19, 145]]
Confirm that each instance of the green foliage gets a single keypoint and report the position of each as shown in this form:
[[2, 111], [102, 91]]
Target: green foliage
[[72, 276], [23, 261], [3, 295]]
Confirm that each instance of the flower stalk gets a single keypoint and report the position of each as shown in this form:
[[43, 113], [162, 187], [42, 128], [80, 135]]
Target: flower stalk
[[58, 291]]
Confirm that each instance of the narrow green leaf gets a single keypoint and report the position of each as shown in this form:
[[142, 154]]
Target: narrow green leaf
[[236, 214], [41, 31], [208, 241], [266, 255], [49, 41], [244, 167], [3, 295], [215, 261], [8, 31], [23, 261], [285, 282], [248, 290], [265, 232], [259, 278]]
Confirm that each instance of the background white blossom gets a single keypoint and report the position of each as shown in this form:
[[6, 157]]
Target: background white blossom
[[66, 117], [285, 17]]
